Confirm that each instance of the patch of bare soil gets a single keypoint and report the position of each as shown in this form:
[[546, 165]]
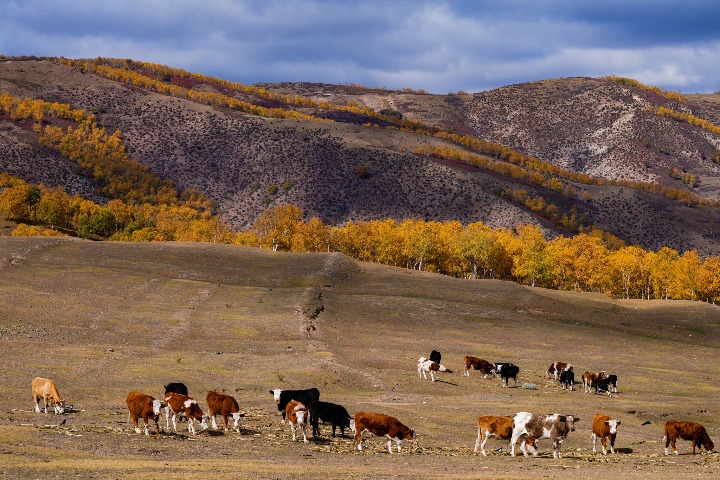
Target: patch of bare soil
[[104, 319]]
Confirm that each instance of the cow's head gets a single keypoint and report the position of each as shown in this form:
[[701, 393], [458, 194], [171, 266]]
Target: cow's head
[[707, 443], [352, 425], [204, 422], [569, 421], [410, 435], [158, 405], [613, 424], [59, 406], [275, 392]]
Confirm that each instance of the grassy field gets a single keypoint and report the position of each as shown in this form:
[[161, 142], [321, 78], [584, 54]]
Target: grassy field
[[104, 319]]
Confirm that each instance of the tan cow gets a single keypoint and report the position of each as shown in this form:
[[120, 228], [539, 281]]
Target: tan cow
[[382, 426], [486, 368], [45, 388], [145, 407], [692, 431], [223, 405], [298, 417], [604, 427], [500, 427]]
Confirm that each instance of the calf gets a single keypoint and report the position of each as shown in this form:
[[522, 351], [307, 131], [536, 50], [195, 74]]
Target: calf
[[592, 380], [556, 368], [382, 426], [692, 431], [555, 427], [176, 403], [225, 405], [329, 412], [428, 366], [486, 368], [500, 427], [604, 427], [507, 371], [283, 397], [47, 390], [567, 379], [145, 407], [297, 415]]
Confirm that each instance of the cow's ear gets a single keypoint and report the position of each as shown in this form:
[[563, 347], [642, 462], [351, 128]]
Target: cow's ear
[[562, 418], [576, 419], [607, 423], [618, 422], [272, 393]]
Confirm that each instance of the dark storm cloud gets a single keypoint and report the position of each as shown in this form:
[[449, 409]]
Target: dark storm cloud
[[436, 45]]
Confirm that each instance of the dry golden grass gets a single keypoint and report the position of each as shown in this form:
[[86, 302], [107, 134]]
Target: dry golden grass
[[104, 319]]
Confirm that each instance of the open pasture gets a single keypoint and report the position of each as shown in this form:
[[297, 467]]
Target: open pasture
[[104, 319]]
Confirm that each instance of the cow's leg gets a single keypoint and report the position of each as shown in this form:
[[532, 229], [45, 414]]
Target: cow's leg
[[594, 440], [135, 422], [358, 438], [174, 420], [513, 440], [146, 419], [45, 402], [37, 403], [398, 442], [167, 417], [292, 428], [612, 443], [604, 440], [213, 421], [226, 421], [191, 424], [432, 375], [483, 443], [666, 439], [556, 448], [304, 432]]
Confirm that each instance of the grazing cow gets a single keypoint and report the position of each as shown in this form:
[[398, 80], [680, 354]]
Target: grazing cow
[[382, 426], [176, 403], [604, 427], [486, 368], [507, 371], [283, 397], [555, 427], [176, 387], [145, 407], [297, 415], [428, 366], [567, 379], [592, 380], [607, 384], [47, 390], [692, 431], [435, 356], [329, 413], [556, 368], [225, 405], [500, 427]]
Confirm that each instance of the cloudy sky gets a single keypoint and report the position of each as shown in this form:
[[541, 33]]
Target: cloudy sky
[[437, 45]]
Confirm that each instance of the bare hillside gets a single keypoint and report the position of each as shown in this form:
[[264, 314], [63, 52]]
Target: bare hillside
[[247, 163]]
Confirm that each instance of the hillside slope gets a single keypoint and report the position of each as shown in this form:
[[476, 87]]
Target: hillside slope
[[246, 163], [107, 318]]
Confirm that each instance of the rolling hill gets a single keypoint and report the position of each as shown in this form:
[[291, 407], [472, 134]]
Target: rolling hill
[[355, 168]]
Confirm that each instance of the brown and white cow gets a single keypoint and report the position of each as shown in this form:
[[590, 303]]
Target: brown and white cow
[[428, 366], [178, 403], [47, 390], [500, 427], [486, 368], [692, 431], [592, 380], [145, 407], [604, 427], [298, 417], [224, 405], [380, 425], [555, 427], [556, 368]]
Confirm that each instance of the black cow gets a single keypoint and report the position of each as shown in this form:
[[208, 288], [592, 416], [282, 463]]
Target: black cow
[[607, 384], [435, 356], [507, 371], [283, 397], [176, 387], [329, 413], [567, 379]]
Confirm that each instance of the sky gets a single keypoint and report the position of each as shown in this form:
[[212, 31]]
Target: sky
[[439, 46]]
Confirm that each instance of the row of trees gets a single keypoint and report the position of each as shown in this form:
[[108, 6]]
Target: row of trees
[[593, 261]]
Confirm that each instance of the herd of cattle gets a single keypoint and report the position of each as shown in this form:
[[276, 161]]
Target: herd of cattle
[[302, 407]]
